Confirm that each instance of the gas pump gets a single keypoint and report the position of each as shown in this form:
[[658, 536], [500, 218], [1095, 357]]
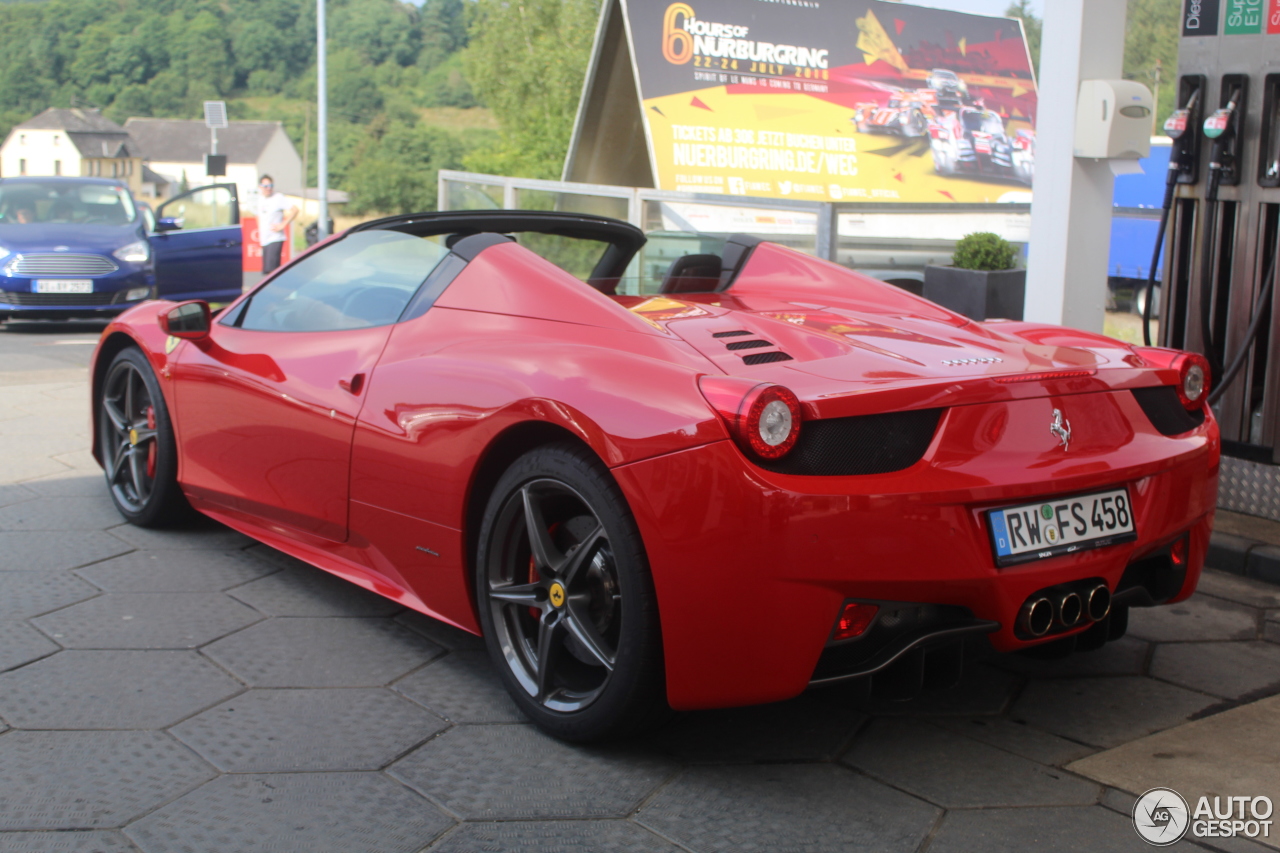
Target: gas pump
[[1222, 220], [1183, 163]]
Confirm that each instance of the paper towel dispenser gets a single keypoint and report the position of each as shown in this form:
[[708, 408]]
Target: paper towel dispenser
[[1113, 120]]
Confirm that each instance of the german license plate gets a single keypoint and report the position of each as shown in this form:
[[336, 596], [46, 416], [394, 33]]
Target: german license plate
[[64, 285], [1060, 526]]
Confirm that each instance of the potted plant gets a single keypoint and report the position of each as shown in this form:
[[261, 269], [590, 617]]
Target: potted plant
[[982, 281]]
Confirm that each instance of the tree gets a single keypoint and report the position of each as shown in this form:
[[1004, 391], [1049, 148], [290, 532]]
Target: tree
[[394, 167], [1151, 49], [1031, 25], [389, 61], [526, 59]]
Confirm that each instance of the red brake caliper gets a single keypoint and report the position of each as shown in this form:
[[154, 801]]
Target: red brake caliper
[[151, 449]]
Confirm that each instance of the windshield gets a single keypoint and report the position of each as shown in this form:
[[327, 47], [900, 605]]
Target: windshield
[[65, 202], [984, 123], [364, 279]]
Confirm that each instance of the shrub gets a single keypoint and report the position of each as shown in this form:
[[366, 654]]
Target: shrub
[[983, 250]]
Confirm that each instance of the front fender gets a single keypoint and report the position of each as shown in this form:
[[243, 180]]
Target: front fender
[[140, 327]]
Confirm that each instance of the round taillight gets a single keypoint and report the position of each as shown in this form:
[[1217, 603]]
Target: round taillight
[[764, 419], [772, 422], [1193, 380]]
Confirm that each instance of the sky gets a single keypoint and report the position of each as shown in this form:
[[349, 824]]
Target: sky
[[982, 7]]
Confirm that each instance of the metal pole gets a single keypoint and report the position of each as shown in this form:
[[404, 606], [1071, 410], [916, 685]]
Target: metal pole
[[322, 130]]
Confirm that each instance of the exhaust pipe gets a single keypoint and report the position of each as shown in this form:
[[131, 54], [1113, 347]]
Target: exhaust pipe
[[1068, 608], [1036, 616], [1099, 602]]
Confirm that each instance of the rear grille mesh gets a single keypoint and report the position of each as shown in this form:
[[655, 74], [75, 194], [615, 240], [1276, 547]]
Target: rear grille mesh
[[1165, 410], [58, 263], [736, 345], [864, 444], [736, 334], [765, 357]]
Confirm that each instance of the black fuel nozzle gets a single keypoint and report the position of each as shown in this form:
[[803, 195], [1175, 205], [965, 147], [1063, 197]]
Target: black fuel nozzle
[[1175, 127], [1221, 128]]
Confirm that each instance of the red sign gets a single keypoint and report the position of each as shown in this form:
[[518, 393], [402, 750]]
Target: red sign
[[1273, 17], [252, 249]]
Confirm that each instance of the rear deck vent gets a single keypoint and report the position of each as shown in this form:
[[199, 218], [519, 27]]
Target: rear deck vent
[[736, 345], [736, 334], [765, 357]]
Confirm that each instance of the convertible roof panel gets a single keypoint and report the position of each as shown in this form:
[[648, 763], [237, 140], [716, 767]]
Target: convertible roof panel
[[507, 278]]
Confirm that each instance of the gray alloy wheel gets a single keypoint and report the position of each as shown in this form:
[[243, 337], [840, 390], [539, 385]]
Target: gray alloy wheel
[[139, 455], [565, 598], [553, 598]]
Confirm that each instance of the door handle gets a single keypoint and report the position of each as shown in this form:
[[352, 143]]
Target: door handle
[[352, 385], [227, 244]]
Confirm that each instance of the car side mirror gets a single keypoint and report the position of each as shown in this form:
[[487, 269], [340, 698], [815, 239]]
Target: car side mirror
[[190, 320], [167, 223]]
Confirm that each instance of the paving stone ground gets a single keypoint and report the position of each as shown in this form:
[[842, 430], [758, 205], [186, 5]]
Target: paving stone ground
[[194, 691]]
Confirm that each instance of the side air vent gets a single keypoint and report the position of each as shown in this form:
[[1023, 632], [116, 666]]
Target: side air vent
[[736, 345], [765, 357], [864, 444], [736, 334], [1165, 410]]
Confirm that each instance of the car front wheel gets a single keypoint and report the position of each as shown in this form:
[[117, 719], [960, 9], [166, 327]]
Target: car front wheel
[[139, 454], [566, 601]]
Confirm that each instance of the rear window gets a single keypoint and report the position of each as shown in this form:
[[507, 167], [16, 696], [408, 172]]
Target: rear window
[[575, 255], [65, 202]]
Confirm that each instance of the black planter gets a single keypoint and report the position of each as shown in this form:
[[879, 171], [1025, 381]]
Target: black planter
[[977, 294]]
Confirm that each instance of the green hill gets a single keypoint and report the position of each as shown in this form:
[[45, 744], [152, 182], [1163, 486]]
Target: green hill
[[400, 107]]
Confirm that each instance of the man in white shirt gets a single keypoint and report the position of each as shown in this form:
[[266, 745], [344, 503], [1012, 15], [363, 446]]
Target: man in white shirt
[[274, 215]]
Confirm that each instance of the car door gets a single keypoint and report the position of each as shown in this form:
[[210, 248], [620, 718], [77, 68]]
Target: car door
[[267, 404], [196, 245]]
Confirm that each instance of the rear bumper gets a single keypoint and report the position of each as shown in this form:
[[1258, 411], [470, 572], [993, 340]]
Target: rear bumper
[[751, 568]]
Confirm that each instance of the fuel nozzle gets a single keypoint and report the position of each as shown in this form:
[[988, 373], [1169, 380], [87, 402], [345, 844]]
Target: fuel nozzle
[[1221, 128], [1221, 124], [1176, 125]]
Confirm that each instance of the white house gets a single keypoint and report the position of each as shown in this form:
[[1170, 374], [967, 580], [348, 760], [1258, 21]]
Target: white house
[[175, 148], [75, 142]]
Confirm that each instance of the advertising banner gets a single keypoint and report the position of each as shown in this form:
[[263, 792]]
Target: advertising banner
[[251, 251], [860, 100]]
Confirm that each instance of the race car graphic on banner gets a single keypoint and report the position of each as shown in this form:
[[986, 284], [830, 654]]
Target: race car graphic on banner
[[860, 100]]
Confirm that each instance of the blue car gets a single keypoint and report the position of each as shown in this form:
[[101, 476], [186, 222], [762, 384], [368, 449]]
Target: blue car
[[81, 247]]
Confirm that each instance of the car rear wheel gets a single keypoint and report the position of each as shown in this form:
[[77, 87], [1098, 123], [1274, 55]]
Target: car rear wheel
[[914, 125], [566, 600], [943, 162], [139, 454]]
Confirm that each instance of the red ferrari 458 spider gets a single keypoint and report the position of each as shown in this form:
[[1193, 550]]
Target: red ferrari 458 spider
[[768, 473]]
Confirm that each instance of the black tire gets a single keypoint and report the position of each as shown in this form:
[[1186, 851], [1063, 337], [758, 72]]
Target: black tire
[[571, 621], [139, 454]]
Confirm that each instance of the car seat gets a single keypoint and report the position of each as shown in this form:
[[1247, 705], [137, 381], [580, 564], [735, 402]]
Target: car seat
[[692, 274]]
